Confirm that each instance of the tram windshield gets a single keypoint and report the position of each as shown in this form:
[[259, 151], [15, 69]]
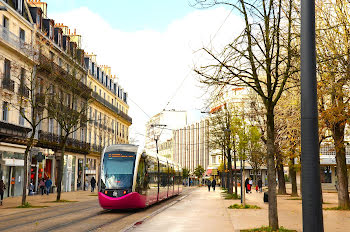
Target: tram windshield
[[118, 170]]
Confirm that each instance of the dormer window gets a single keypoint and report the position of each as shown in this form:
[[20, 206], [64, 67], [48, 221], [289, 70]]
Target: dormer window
[[67, 45], [20, 6], [59, 39], [38, 19], [51, 32]]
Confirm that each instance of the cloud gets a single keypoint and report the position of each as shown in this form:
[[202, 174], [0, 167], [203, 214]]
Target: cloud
[[151, 65]]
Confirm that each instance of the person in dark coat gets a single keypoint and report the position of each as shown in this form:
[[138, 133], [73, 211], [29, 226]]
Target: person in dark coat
[[2, 188], [260, 185], [209, 184], [48, 184], [246, 183], [93, 184], [213, 183]]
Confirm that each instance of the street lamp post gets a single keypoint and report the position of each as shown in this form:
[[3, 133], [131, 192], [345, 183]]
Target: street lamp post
[[310, 160]]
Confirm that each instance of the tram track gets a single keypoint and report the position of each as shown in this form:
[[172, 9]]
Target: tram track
[[79, 220], [48, 209], [35, 221]]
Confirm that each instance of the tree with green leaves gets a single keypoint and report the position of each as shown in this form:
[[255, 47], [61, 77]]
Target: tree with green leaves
[[199, 171], [333, 46], [185, 173], [255, 156]]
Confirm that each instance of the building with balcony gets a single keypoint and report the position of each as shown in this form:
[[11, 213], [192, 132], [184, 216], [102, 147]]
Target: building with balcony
[[108, 111], [16, 62], [30, 42]]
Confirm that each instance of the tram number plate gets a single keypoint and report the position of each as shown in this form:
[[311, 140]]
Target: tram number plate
[[115, 194]]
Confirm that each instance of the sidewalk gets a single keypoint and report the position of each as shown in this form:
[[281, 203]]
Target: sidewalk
[[289, 213], [199, 211], [208, 211], [10, 203]]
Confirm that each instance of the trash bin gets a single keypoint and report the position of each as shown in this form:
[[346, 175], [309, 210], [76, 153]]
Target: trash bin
[[53, 189], [266, 197]]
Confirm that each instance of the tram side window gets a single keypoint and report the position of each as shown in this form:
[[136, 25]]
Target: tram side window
[[163, 175], [152, 171], [142, 178]]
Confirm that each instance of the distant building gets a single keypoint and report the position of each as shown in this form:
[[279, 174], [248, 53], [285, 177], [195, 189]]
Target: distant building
[[161, 127], [191, 145]]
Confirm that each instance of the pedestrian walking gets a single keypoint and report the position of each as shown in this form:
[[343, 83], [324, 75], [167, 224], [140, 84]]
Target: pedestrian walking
[[93, 184], [260, 185], [42, 186], [2, 188], [213, 183], [246, 183], [209, 184], [251, 185], [48, 184], [31, 188]]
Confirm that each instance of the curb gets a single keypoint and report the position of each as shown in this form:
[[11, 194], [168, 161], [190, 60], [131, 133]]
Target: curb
[[142, 220]]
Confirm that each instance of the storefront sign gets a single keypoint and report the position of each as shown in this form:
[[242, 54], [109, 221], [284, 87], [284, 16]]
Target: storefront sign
[[14, 162], [90, 172]]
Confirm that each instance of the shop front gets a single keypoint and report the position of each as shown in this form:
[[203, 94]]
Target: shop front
[[12, 172]]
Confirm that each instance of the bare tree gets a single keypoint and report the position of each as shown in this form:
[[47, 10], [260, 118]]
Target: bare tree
[[30, 101], [68, 105], [260, 58]]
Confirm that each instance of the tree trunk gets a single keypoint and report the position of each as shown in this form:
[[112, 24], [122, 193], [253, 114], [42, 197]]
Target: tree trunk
[[229, 179], [293, 177], [343, 194], [25, 166], [235, 166], [224, 173], [280, 172], [60, 171], [273, 214]]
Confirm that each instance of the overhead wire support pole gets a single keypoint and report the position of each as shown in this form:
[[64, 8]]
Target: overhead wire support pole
[[310, 158]]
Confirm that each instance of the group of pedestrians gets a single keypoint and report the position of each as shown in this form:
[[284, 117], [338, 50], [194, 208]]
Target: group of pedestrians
[[45, 186], [211, 184], [249, 184]]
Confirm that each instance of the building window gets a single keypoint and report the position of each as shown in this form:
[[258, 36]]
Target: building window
[[5, 111], [22, 35], [5, 23], [95, 89], [59, 129], [7, 68], [82, 137], [60, 62], [21, 118], [90, 137], [51, 125], [74, 134]]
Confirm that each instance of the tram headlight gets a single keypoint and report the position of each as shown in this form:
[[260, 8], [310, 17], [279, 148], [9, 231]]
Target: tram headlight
[[124, 192], [106, 192]]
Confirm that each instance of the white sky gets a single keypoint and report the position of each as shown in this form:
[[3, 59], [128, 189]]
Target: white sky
[[151, 65]]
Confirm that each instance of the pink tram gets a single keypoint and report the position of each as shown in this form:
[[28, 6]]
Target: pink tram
[[131, 180]]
